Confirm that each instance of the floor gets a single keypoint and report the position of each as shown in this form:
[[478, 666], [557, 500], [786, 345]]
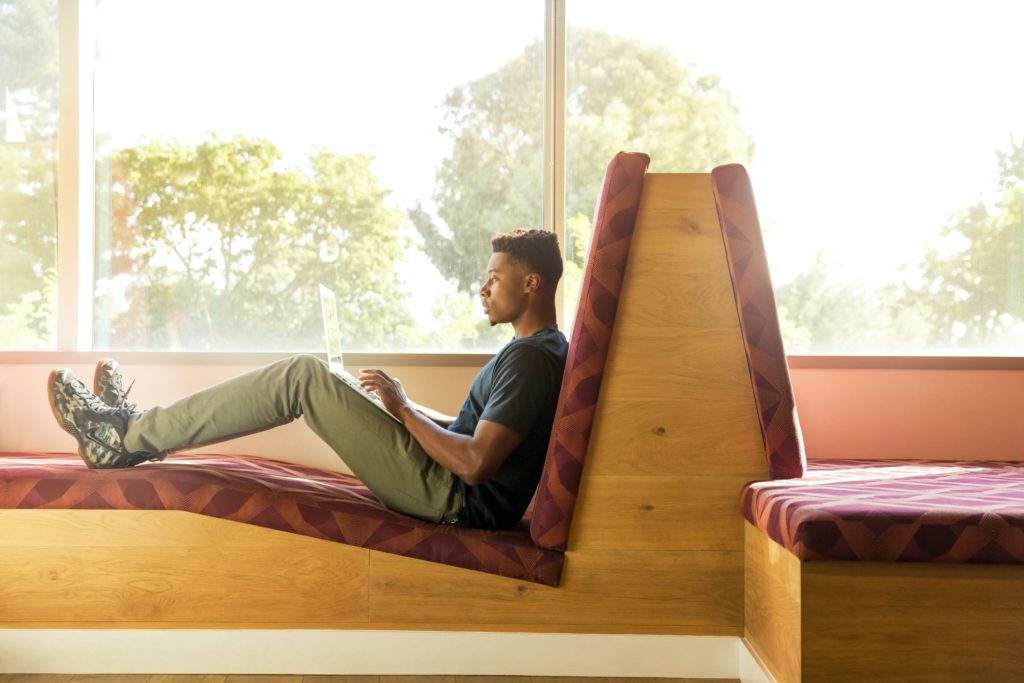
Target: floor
[[239, 678]]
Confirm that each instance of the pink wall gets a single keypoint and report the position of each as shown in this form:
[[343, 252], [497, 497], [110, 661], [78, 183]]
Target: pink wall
[[911, 413], [845, 413]]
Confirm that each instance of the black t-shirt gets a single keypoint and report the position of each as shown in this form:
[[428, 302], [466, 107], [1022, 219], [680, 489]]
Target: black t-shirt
[[518, 388]]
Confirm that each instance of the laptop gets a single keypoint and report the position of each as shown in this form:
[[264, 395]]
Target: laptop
[[332, 335]]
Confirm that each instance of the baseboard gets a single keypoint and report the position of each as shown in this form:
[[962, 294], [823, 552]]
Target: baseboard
[[752, 669], [188, 651]]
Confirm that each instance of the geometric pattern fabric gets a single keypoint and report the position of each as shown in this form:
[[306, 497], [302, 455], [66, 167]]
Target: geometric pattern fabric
[[759, 322], [272, 494], [895, 511], [601, 285]]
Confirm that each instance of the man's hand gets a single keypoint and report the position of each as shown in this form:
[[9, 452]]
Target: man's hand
[[474, 458], [388, 388]]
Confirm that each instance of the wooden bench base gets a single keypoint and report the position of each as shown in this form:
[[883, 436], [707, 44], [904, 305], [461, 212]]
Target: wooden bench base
[[169, 569], [874, 621]]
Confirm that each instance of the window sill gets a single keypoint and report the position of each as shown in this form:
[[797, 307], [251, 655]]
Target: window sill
[[476, 359], [801, 362], [239, 358]]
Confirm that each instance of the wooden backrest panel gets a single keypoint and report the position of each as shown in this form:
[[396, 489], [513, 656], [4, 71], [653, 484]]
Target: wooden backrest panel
[[676, 432], [600, 288]]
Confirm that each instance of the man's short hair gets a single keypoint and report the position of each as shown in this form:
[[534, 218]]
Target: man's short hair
[[536, 249]]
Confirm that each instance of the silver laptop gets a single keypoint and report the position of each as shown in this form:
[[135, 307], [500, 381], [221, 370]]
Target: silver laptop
[[332, 335]]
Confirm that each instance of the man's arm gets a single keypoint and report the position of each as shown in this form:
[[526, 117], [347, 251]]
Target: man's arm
[[434, 416], [474, 459]]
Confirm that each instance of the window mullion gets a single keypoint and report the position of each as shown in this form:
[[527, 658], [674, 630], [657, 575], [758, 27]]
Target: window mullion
[[75, 177], [554, 127]]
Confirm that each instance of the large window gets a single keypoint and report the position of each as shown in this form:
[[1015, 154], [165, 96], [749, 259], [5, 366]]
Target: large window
[[885, 143], [28, 165], [247, 151], [250, 150]]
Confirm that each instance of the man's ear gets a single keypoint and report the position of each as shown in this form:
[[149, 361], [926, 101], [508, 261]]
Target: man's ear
[[532, 282]]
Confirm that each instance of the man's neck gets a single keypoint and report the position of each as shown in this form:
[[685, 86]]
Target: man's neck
[[532, 321]]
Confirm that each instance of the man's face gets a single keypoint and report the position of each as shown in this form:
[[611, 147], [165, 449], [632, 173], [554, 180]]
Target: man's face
[[504, 293]]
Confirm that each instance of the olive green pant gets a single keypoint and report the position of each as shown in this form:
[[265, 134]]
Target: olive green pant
[[379, 450]]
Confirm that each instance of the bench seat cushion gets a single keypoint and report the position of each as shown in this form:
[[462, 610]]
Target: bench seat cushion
[[895, 510], [271, 494]]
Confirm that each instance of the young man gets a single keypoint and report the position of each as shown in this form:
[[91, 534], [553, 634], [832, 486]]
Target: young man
[[478, 469]]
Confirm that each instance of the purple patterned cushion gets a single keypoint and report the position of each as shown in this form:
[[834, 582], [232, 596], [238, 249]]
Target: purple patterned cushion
[[272, 494], [896, 510], [759, 321], [614, 220]]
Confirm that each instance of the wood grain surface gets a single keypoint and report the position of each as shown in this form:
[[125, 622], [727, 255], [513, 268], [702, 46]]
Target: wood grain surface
[[611, 591], [772, 605], [912, 622]]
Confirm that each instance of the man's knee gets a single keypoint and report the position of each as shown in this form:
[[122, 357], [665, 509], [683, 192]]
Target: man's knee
[[304, 366]]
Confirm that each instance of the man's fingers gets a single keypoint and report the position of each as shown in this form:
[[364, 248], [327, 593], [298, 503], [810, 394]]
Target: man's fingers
[[373, 372], [373, 379]]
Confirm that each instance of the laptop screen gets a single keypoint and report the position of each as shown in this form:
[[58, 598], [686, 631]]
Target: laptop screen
[[332, 330]]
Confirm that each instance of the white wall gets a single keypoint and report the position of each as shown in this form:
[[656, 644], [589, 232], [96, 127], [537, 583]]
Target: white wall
[[27, 425]]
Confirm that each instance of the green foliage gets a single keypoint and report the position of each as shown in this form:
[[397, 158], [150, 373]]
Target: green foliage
[[221, 245], [30, 323], [28, 210], [973, 282], [28, 217], [224, 247], [822, 313], [623, 94], [28, 47]]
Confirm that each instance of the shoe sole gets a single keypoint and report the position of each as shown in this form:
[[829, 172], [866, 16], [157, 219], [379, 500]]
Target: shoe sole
[[64, 424]]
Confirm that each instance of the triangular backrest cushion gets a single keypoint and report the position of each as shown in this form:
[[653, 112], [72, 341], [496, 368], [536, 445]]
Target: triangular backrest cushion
[[614, 221], [759, 321]]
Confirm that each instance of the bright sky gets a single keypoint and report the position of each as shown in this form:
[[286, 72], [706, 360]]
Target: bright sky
[[872, 122], [355, 77]]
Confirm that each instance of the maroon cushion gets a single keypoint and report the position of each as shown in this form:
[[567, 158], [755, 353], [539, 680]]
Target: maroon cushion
[[755, 304], [272, 494], [896, 510], [614, 220]]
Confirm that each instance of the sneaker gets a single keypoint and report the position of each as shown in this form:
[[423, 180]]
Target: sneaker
[[107, 384], [98, 428]]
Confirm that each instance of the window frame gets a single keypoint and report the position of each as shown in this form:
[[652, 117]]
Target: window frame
[[76, 214], [76, 221]]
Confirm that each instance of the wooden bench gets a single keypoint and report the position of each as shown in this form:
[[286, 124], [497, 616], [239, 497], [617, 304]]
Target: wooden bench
[[866, 570], [695, 404], [655, 544]]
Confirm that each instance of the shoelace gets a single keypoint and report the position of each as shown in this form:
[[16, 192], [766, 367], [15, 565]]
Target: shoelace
[[92, 402], [124, 411], [124, 396]]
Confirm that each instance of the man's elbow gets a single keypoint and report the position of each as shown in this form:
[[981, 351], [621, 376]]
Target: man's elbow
[[472, 480], [478, 470], [475, 476]]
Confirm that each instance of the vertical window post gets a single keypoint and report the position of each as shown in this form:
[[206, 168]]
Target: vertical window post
[[554, 132], [75, 172]]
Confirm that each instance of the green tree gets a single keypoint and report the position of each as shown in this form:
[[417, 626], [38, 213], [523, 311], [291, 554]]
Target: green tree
[[973, 280], [820, 312], [622, 94], [223, 247], [28, 210]]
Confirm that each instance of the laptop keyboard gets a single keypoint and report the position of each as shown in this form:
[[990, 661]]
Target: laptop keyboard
[[350, 380]]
